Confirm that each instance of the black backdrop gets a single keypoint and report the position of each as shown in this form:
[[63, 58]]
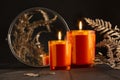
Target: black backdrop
[[71, 10]]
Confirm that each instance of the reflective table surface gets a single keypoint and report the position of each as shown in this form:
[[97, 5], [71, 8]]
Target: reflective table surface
[[98, 72]]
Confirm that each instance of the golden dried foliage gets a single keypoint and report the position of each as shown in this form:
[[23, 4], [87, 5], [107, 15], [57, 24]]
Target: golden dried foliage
[[111, 40]]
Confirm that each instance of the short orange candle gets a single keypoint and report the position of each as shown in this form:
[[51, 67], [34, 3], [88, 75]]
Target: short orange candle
[[60, 55], [83, 47]]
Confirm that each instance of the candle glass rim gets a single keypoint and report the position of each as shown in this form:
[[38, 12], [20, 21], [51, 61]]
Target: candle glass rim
[[89, 31]]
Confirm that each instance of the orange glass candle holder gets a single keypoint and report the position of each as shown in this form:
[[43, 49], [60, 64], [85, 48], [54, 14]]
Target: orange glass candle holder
[[83, 47], [60, 55]]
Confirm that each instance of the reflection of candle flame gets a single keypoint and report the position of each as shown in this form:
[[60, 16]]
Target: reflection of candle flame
[[80, 25], [59, 35]]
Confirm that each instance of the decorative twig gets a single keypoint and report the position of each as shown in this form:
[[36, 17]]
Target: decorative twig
[[39, 74]]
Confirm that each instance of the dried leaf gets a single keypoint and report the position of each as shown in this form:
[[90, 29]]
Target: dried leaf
[[111, 40]]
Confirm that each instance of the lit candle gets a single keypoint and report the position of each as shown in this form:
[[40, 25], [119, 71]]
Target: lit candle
[[83, 46], [60, 54]]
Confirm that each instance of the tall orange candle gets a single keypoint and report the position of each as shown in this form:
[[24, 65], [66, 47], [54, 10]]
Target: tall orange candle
[[83, 46], [60, 54]]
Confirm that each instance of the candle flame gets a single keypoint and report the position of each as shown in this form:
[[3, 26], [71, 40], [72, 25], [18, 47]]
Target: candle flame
[[59, 35], [80, 25]]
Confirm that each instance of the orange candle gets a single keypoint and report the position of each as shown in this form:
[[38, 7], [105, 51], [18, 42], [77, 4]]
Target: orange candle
[[60, 54], [83, 46]]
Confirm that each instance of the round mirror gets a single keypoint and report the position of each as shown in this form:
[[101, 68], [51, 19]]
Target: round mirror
[[30, 32]]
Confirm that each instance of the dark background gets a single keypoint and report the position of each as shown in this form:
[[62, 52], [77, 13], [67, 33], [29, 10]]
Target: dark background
[[70, 10]]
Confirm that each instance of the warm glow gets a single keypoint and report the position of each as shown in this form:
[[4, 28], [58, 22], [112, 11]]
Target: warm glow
[[59, 35], [80, 25]]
